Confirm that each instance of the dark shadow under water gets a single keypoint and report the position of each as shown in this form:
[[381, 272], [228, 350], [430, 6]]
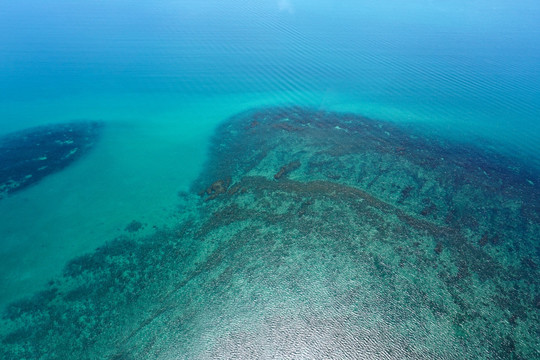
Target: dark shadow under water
[[312, 234], [28, 156]]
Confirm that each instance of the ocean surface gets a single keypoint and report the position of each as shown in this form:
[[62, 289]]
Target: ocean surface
[[274, 179]]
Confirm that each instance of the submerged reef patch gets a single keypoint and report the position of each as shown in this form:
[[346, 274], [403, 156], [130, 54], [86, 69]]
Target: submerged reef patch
[[328, 236], [134, 226], [28, 156]]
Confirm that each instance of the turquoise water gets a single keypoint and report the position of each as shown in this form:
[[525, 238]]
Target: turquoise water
[[165, 76]]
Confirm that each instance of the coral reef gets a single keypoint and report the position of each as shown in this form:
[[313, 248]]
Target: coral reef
[[28, 156], [134, 226], [217, 188], [371, 241], [286, 169]]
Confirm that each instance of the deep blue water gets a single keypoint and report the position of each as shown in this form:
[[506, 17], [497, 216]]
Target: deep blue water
[[162, 75]]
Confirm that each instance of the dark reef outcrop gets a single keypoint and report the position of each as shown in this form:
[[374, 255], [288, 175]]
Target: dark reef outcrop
[[28, 156], [134, 226], [369, 239], [286, 169]]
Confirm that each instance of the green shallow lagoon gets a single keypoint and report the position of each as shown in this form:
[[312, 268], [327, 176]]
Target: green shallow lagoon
[[311, 234]]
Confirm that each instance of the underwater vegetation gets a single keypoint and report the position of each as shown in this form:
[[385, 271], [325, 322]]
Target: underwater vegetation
[[28, 156], [311, 234]]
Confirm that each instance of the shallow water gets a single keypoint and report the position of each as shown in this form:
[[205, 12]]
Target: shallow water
[[388, 243]]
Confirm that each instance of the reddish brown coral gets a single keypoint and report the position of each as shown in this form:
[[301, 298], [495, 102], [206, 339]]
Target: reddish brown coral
[[217, 188], [287, 169]]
